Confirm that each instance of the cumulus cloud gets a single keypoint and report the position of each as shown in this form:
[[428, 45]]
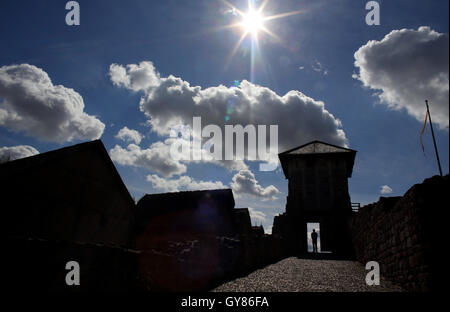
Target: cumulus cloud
[[244, 182], [156, 158], [171, 101], [134, 77], [385, 189], [183, 148], [182, 183], [256, 215], [129, 135], [406, 67], [31, 103], [16, 152]]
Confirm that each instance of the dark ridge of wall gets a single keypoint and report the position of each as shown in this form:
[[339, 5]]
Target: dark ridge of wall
[[195, 262], [191, 263], [195, 240], [405, 235], [184, 265], [202, 262], [38, 265], [282, 230], [257, 251]]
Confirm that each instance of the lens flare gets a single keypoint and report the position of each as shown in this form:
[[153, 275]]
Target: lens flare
[[252, 22]]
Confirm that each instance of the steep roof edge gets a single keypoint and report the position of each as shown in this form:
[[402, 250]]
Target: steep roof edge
[[193, 191], [115, 172], [49, 154], [173, 195], [22, 163], [177, 193], [317, 141]]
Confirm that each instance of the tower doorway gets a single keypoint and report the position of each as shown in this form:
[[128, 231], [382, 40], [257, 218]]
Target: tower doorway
[[310, 226]]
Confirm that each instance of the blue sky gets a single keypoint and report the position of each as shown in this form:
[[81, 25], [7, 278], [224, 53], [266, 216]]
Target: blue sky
[[377, 104]]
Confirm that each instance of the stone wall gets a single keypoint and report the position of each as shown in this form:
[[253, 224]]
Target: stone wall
[[258, 250], [200, 262], [405, 235], [38, 265], [189, 264]]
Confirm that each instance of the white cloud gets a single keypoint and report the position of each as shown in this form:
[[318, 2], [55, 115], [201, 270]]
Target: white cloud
[[159, 159], [257, 216], [319, 68], [129, 135], [244, 182], [16, 152], [134, 77], [409, 66], [156, 158], [201, 154], [31, 103], [385, 189], [182, 183], [171, 101]]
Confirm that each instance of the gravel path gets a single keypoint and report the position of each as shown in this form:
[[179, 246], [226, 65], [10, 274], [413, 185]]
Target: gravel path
[[294, 275]]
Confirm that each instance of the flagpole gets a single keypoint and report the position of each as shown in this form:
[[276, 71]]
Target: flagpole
[[434, 140]]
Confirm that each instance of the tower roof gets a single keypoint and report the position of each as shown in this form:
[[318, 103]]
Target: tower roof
[[314, 148], [317, 147]]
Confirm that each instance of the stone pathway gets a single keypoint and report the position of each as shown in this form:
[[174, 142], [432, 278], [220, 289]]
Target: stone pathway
[[304, 275]]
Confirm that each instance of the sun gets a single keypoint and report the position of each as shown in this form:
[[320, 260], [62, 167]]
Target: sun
[[252, 22]]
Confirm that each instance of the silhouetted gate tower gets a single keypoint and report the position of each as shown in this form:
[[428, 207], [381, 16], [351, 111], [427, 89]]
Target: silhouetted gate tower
[[317, 174]]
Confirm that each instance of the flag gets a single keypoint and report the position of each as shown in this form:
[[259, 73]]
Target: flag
[[423, 130]]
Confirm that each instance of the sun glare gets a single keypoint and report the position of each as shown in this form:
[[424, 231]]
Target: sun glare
[[252, 22]]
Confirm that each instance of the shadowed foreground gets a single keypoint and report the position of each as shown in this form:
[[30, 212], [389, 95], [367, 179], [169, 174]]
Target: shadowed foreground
[[304, 275]]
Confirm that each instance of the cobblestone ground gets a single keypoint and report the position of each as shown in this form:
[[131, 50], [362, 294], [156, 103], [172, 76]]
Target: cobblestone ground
[[296, 275]]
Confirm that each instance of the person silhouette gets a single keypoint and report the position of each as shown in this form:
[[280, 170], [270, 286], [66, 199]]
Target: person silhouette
[[314, 240]]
